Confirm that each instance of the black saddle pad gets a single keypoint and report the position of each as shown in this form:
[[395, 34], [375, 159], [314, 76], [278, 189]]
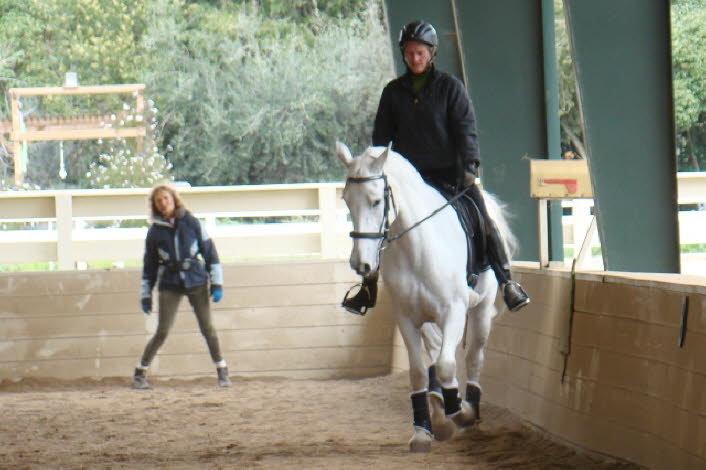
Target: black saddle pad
[[475, 227]]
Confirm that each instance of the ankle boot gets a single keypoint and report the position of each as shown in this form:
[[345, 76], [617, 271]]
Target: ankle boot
[[223, 379], [139, 382], [364, 299]]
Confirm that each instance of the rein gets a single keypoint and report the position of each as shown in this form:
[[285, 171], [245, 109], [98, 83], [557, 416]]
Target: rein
[[385, 224]]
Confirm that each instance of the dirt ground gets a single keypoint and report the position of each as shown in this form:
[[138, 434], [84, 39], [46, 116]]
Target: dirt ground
[[271, 423]]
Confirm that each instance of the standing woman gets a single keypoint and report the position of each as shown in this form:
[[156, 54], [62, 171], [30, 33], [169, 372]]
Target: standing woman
[[182, 260]]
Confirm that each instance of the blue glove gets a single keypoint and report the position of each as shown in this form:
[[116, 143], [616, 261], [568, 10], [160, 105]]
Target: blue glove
[[146, 305], [216, 293]]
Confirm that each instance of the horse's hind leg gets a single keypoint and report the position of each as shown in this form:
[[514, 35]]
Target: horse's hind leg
[[421, 439], [480, 323]]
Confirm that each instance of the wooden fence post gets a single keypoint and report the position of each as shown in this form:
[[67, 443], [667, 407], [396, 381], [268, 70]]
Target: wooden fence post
[[64, 227], [327, 219]]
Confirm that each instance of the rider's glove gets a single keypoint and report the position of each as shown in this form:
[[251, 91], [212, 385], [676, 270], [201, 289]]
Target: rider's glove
[[469, 179], [466, 176], [216, 293], [146, 305]]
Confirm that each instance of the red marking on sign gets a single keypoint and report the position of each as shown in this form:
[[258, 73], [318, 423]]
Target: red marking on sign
[[570, 183]]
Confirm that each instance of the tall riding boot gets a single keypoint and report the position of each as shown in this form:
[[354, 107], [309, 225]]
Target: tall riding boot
[[514, 295], [364, 299]]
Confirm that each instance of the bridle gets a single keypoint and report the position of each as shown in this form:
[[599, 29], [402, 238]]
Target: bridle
[[383, 233]]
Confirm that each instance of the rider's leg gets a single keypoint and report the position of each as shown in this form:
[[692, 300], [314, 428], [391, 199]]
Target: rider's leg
[[514, 295], [365, 298]]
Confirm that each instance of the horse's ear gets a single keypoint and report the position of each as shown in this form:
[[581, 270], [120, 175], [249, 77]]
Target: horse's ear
[[379, 162], [343, 153]]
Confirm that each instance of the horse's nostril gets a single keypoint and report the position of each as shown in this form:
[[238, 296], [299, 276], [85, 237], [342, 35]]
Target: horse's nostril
[[366, 268]]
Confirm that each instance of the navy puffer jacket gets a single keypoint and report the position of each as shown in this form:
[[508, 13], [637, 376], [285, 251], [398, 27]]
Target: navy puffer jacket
[[179, 256]]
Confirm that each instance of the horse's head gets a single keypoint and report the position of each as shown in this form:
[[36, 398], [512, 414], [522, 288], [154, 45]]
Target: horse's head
[[366, 195]]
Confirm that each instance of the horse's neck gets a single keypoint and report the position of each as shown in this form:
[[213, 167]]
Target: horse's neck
[[414, 198]]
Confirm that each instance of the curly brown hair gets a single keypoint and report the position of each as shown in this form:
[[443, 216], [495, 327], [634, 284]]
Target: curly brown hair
[[178, 203]]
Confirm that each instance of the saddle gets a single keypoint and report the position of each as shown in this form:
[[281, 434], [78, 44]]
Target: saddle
[[476, 228]]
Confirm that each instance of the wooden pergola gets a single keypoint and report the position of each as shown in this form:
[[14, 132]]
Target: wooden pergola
[[73, 128]]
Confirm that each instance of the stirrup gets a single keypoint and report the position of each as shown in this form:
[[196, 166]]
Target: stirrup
[[353, 304]]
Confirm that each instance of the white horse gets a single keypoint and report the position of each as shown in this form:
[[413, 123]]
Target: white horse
[[423, 262]]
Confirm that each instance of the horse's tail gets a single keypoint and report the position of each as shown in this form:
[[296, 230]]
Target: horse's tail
[[498, 212]]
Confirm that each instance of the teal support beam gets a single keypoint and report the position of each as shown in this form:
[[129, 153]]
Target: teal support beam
[[503, 54], [502, 51], [622, 57], [551, 100]]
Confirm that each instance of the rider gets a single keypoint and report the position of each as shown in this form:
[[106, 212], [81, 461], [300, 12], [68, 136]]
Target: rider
[[429, 118]]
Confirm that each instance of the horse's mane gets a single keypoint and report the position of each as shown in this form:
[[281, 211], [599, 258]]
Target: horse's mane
[[403, 170], [396, 165]]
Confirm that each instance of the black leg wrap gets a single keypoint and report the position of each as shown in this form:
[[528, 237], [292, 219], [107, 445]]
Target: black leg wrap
[[451, 401], [434, 384], [473, 397], [420, 410]]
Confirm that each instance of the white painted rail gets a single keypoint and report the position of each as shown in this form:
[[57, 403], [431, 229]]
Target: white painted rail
[[59, 226], [247, 222]]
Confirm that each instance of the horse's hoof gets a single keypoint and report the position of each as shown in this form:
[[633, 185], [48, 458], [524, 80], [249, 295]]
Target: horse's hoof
[[444, 429], [421, 441], [465, 416]]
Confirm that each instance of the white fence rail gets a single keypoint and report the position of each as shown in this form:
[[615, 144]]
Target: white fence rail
[[247, 222], [60, 227], [692, 223]]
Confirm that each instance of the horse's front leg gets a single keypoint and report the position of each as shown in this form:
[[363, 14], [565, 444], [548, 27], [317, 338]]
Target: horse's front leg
[[431, 338], [421, 439], [457, 410]]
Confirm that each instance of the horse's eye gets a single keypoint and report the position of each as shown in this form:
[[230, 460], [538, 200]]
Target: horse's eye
[[376, 203]]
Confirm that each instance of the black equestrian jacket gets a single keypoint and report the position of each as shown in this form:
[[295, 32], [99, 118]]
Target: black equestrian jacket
[[180, 256], [434, 129]]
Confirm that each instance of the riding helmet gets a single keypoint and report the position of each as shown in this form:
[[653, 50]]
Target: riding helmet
[[419, 31]]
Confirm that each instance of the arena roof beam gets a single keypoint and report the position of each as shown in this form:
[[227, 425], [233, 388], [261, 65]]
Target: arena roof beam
[[622, 58]]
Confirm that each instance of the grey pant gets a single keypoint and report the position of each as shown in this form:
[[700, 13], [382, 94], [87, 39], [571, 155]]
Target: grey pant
[[168, 305]]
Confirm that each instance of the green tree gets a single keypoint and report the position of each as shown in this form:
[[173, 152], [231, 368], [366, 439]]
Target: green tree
[[689, 72], [98, 39], [248, 99], [569, 113]]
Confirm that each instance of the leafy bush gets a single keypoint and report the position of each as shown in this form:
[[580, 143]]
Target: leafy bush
[[124, 170]]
